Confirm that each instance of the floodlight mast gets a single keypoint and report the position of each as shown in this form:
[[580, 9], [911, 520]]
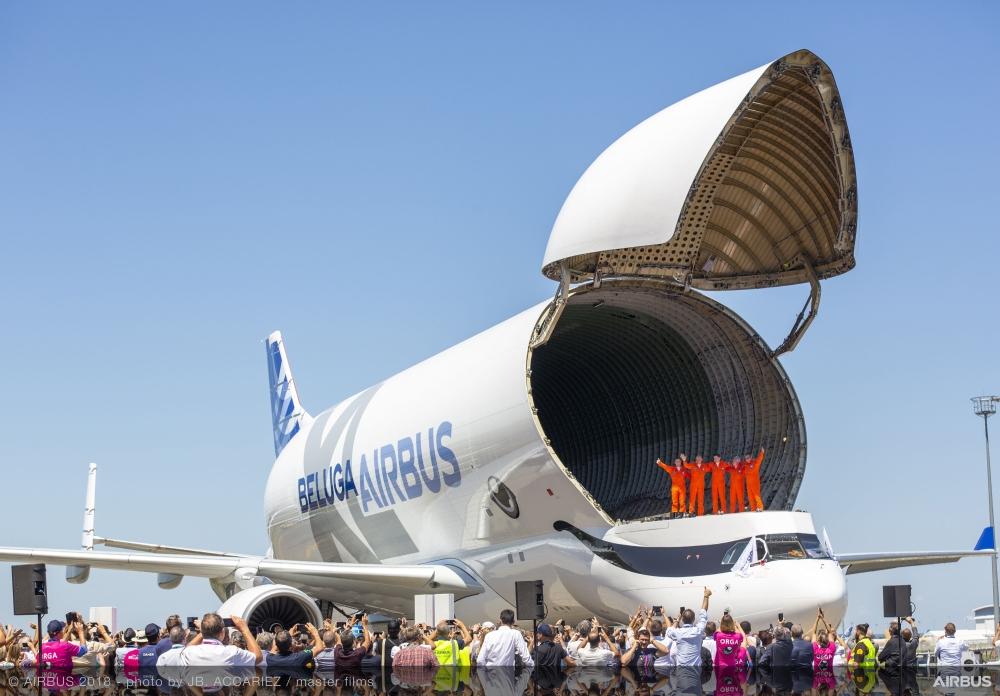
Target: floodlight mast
[[986, 406]]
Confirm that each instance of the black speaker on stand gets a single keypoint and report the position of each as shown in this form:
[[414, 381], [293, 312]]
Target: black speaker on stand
[[896, 603], [530, 598], [31, 596]]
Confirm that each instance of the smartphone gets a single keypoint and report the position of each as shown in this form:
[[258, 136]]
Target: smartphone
[[682, 610], [781, 616], [228, 623], [191, 620], [657, 609], [341, 624], [450, 622], [359, 615]]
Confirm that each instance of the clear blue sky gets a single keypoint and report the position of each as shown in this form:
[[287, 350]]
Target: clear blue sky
[[177, 180]]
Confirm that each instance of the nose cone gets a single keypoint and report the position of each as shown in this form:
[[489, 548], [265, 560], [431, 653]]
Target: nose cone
[[822, 586]]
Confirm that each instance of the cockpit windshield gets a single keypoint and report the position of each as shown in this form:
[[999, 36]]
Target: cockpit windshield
[[780, 547]]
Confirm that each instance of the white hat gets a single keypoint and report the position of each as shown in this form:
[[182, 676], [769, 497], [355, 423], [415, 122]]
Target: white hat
[[489, 624]]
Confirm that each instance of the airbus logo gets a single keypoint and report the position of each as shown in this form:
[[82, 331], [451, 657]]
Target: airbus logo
[[397, 473], [963, 682]]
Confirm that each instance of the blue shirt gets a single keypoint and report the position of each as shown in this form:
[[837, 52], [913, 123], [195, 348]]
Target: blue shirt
[[687, 641], [148, 654], [802, 653]]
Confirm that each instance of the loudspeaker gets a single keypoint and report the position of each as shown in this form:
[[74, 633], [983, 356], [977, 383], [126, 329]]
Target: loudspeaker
[[530, 600], [30, 595], [895, 600]]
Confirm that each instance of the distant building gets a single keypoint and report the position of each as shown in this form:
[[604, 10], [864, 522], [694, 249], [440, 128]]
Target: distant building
[[985, 622]]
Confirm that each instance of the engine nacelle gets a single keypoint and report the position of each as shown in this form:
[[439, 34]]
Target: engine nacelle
[[266, 606]]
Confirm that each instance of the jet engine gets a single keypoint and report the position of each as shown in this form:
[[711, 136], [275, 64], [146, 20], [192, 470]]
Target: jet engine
[[266, 607]]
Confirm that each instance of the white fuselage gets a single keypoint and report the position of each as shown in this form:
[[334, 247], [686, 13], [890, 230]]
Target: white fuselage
[[446, 463]]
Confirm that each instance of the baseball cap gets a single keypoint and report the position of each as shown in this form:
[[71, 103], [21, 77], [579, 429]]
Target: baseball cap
[[152, 631], [544, 630], [642, 630], [488, 624], [55, 625]]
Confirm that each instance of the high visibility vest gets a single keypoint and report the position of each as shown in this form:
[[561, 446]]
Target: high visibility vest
[[864, 654], [447, 652]]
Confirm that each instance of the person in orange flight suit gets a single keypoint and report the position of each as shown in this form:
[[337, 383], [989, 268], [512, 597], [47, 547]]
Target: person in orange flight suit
[[678, 475], [752, 470], [697, 493], [736, 471], [718, 469]]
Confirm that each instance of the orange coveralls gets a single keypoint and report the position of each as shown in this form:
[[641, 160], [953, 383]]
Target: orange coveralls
[[677, 486], [697, 493], [718, 485], [736, 487], [753, 482]]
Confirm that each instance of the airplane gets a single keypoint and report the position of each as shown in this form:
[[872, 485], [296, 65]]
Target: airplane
[[528, 452]]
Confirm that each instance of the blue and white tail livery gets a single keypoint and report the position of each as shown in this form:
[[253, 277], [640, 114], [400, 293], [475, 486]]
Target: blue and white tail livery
[[286, 410]]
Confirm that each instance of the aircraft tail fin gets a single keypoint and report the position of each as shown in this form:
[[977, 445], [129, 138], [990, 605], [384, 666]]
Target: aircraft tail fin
[[286, 410]]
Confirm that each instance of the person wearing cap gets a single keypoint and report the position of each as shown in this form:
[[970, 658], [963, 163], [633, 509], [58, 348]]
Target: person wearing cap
[[57, 653], [548, 650], [127, 646], [150, 651], [147, 653]]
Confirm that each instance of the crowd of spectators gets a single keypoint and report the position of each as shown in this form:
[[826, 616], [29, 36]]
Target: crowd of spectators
[[652, 654]]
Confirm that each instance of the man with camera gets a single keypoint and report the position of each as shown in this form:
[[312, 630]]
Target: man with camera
[[284, 655], [597, 649], [448, 645], [98, 643], [210, 647]]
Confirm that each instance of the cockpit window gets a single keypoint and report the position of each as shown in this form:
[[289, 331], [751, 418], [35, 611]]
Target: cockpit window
[[733, 554], [780, 547], [812, 546]]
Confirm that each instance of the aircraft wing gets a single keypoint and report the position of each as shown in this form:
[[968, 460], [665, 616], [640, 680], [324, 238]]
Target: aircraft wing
[[868, 562], [400, 580]]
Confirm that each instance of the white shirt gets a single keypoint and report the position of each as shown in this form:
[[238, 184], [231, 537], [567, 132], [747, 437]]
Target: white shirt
[[499, 647], [212, 653], [948, 650], [668, 659], [710, 644], [586, 656], [171, 658], [120, 654]]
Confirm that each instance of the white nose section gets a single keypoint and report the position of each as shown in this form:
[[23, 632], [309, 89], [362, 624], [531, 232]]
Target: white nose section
[[826, 588]]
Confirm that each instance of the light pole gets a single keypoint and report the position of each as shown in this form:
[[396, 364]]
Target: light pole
[[985, 406]]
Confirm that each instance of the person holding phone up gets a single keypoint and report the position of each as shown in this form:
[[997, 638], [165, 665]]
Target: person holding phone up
[[686, 635]]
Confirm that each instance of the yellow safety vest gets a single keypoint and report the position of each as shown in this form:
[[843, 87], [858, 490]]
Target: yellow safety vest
[[864, 654], [447, 652]]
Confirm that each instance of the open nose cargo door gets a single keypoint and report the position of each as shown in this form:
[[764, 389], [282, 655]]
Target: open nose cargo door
[[748, 184]]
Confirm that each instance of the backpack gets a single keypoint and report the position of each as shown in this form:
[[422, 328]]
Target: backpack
[[383, 659]]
